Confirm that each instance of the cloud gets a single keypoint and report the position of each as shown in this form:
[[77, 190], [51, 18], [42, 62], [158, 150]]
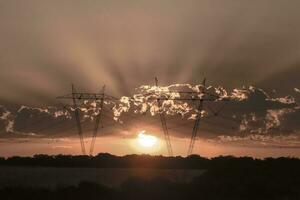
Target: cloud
[[260, 113], [247, 114], [7, 119], [61, 147], [29, 121], [258, 140]]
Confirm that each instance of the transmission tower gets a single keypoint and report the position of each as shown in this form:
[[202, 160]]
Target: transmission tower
[[98, 118], [164, 125], [188, 96], [78, 96], [77, 118], [197, 121]]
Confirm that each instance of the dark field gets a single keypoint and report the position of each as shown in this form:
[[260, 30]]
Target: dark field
[[149, 177], [51, 177]]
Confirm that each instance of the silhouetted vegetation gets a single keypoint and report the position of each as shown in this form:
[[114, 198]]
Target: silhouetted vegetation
[[215, 184], [225, 178], [105, 160]]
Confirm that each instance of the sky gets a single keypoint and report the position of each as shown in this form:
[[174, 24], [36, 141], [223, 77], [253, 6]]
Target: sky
[[252, 46]]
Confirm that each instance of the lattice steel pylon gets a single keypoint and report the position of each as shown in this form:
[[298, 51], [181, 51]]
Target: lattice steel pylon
[[77, 96], [199, 96], [164, 125], [98, 118], [197, 121], [77, 118]]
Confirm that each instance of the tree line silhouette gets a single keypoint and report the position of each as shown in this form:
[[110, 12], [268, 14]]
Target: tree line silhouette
[[106, 160]]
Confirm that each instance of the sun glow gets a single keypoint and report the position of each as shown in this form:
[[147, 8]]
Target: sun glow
[[146, 140]]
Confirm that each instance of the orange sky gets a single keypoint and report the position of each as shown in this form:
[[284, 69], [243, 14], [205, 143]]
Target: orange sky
[[123, 146]]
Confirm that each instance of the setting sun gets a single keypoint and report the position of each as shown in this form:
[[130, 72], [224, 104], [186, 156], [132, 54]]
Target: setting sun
[[146, 140]]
